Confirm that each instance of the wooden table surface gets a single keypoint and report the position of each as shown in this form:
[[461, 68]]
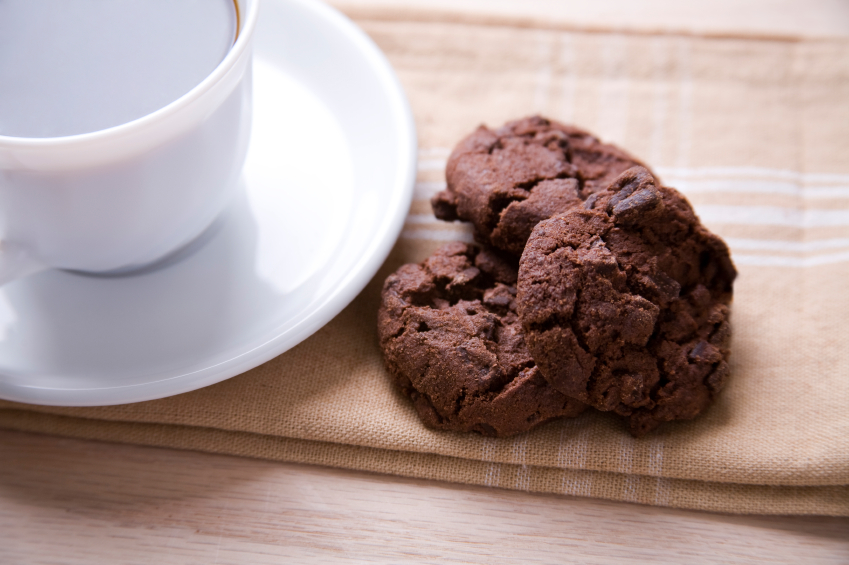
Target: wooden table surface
[[71, 501]]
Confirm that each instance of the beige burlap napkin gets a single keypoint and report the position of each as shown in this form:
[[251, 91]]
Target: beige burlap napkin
[[755, 131]]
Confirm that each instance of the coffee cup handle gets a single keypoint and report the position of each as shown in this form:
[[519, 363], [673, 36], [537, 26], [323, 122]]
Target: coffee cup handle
[[16, 263]]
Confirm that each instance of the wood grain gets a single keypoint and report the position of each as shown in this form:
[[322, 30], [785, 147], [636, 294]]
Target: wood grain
[[783, 18], [70, 501]]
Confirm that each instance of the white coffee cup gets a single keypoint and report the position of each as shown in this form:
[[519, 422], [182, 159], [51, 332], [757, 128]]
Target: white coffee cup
[[121, 198]]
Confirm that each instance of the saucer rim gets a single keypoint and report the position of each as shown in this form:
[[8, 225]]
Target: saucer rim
[[373, 255]]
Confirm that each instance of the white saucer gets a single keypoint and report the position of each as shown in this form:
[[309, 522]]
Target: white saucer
[[327, 185]]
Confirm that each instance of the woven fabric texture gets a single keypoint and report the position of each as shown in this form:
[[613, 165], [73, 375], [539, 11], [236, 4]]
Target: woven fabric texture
[[754, 131]]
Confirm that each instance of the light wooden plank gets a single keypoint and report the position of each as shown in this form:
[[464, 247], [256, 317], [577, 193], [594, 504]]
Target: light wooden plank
[[788, 18]]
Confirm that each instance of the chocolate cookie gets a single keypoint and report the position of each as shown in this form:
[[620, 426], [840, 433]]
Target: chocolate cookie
[[507, 180], [452, 341], [624, 303]]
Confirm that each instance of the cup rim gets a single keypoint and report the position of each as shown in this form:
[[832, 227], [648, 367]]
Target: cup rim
[[248, 15]]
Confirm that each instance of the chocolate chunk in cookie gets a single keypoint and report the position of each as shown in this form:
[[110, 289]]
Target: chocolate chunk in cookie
[[453, 343], [507, 180], [624, 303]]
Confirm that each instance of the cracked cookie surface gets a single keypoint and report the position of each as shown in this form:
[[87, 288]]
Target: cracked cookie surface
[[453, 343], [505, 181], [624, 303]]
